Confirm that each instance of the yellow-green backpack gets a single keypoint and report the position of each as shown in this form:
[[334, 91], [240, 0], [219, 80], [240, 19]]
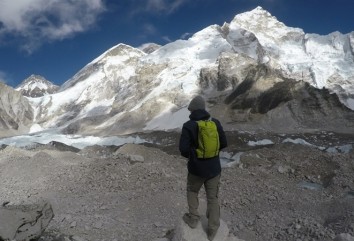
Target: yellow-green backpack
[[208, 139]]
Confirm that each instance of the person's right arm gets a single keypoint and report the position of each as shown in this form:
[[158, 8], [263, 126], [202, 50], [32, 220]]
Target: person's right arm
[[222, 136]]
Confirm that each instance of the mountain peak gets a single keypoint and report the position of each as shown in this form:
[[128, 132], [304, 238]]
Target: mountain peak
[[32, 78], [260, 10], [120, 49], [258, 13], [258, 16], [264, 25], [36, 86]]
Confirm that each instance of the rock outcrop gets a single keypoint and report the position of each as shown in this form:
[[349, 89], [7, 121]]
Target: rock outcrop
[[16, 113], [344, 237], [24, 222]]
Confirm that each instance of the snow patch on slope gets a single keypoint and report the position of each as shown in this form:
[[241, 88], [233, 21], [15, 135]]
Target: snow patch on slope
[[168, 119]]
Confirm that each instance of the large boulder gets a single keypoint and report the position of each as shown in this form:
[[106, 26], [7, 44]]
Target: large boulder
[[344, 237], [24, 222]]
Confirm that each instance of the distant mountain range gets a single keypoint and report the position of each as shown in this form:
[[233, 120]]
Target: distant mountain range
[[256, 74]]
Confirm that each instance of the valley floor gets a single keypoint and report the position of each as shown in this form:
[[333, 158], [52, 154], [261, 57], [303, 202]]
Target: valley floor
[[282, 191]]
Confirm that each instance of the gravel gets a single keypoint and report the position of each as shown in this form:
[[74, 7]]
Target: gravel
[[279, 192]]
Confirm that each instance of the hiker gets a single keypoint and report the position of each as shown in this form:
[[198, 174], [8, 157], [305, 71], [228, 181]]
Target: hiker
[[201, 171]]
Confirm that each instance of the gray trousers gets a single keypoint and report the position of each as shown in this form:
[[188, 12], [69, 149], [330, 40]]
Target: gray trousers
[[211, 185]]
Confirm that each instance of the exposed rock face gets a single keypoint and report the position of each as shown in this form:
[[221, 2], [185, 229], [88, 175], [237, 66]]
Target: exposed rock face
[[24, 222], [37, 86], [227, 74], [266, 92], [16, 113]]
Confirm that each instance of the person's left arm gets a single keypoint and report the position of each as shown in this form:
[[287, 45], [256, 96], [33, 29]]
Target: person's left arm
[[185, 142]]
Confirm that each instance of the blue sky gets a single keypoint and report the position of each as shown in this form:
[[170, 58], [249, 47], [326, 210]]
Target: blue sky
[[56, 38]]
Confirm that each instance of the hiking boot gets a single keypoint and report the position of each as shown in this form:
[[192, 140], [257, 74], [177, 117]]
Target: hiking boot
[[211, 234], [190, 220]]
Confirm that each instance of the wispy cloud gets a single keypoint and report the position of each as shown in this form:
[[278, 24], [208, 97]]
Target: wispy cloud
[[149, 29], [157, 6], [3, 77], [166, 6], [167, 39], [35, 22]]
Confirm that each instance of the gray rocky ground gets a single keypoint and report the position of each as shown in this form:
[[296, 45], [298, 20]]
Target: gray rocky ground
[[283, 191]]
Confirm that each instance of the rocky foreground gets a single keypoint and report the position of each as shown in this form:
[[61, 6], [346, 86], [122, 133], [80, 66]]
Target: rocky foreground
[[283, 191]]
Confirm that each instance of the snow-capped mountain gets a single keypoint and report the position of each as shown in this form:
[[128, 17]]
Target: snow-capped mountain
[[323, 61], [36, 86], [255, 72]]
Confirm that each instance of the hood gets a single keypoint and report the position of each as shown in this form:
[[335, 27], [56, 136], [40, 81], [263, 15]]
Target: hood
[[199, 115]]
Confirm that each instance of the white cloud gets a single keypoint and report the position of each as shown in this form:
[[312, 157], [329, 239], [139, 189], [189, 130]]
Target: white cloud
[[166, 6], [3, 77], [38, 21], [167, 39], [149, 29], [157, 6]]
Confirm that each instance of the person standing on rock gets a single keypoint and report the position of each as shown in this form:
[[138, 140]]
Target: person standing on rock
[[201, 171]]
